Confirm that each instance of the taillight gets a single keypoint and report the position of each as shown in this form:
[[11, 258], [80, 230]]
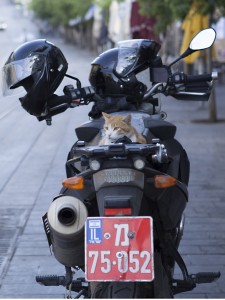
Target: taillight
[[120, 211]]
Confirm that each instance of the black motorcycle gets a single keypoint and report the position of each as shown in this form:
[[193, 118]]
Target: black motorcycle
[[119, 217]]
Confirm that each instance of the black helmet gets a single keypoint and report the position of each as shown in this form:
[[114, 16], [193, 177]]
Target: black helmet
[[115, 72], [39, 67]]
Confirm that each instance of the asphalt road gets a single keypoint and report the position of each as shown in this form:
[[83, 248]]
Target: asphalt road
[[32, 160]]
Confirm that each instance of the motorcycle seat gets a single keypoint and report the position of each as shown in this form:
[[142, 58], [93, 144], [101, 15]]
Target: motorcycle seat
[[87, 131], [160, 129]]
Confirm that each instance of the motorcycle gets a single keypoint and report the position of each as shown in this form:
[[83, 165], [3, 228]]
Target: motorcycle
[[119, 217]]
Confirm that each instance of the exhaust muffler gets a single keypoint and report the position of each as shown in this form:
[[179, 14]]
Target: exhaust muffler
[[66, 217]]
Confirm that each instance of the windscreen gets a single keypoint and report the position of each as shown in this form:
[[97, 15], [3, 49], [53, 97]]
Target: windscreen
[[127, 56], [16, 71]]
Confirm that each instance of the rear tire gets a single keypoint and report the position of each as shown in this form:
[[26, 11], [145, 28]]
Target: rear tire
[[123, 290], [159, 288]]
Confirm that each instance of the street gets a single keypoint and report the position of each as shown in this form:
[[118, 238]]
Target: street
[[32, 166]]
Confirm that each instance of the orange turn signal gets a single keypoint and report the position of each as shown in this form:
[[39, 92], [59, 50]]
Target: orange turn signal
[[164, 181], [74, 183]]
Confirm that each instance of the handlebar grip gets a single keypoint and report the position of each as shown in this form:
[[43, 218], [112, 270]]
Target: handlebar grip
[[71, 94], [58, 100], [72, 97], [183, 78], [201, 77], [85, 93]]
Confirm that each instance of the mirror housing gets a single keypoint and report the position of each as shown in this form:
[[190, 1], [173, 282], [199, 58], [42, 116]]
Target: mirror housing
[[202, 40]]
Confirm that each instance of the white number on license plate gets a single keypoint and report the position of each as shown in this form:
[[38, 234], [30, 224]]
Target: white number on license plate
[[119, 249]]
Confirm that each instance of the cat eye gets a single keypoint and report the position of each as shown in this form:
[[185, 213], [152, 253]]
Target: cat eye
[[106, 127], [116, 128]]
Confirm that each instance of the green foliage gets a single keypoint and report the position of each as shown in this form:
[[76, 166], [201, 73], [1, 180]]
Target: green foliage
[[103, 3], [158, 9], [58, 11], [41, 8], [61, 11], [179, 8], [167, 11]]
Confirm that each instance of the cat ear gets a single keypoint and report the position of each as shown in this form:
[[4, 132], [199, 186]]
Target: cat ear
[[127, 119], [105, 115]]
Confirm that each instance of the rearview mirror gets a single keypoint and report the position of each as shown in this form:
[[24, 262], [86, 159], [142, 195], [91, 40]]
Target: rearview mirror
[[203, 40]]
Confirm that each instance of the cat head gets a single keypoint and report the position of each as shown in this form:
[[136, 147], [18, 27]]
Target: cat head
[[116, 127]]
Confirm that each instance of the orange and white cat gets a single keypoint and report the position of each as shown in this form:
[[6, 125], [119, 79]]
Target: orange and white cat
[[116, 127]]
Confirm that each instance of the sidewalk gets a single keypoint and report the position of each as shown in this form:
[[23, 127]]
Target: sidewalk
[[29, 190], [203, 244]]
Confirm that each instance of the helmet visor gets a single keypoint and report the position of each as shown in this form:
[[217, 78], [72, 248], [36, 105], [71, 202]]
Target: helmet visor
[[14, 72], [127, 56]]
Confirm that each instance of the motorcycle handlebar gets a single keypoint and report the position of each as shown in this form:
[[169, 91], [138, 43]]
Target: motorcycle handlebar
[[79, 96], [55, 100], [183, 78], [72, 97], [82, 96]]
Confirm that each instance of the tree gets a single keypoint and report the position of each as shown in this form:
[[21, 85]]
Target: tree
[[59, 12], [177, 10]]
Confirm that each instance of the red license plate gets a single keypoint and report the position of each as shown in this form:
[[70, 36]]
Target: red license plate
[[119, 249]]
